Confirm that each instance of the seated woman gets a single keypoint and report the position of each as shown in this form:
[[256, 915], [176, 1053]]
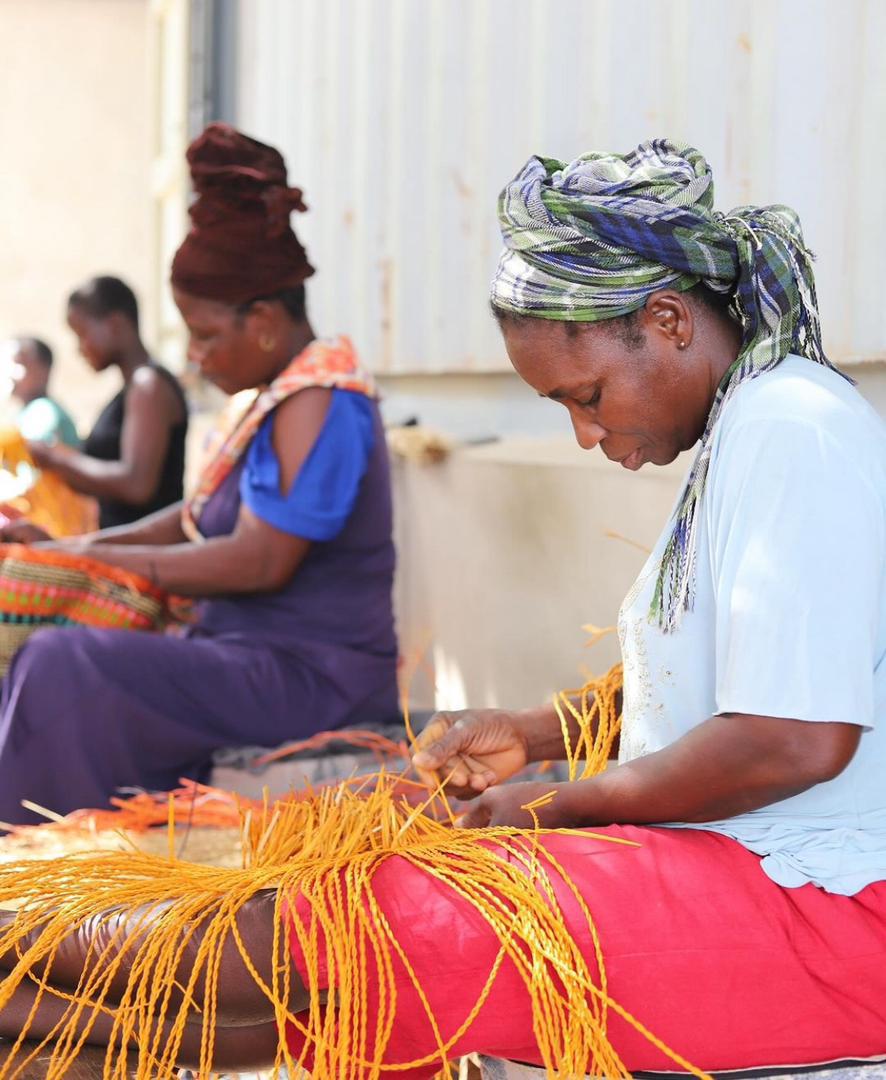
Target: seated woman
[[133, 460], [41, 418], [286, 542], [747, 927]]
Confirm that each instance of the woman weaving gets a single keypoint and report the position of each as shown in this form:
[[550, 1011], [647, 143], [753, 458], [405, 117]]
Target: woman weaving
[[748, 927], [286, 541]]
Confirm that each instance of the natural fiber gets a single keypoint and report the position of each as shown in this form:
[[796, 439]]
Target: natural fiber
[[324, 848], [40, 496], [40, 588]]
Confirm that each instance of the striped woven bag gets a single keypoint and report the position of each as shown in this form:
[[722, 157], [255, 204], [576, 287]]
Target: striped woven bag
[[51, 588]]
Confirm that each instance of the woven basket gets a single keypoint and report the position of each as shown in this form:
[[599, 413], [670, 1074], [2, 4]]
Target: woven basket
[[49, 588]]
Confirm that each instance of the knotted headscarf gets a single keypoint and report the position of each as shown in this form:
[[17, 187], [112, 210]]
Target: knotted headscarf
[[593, 239], [241, 246]]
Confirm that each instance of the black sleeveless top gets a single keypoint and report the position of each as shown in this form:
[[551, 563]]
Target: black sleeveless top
[[103, 442]]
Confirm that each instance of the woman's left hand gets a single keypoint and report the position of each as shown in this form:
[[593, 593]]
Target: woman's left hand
[[43, 454], [504, 805]]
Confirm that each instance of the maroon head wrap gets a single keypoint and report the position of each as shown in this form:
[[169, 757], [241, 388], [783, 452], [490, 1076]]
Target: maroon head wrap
[[241, 245]]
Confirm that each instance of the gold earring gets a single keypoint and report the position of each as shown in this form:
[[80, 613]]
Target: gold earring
[[267, 343]]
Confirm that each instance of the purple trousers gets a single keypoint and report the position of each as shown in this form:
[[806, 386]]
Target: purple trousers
[[85, 712]]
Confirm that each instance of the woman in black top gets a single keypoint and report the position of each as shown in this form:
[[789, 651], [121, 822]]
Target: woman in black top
[[133, 459]]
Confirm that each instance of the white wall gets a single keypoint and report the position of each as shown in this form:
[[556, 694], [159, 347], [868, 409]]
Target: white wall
[[403, 119], [75, 187], [506, 551]]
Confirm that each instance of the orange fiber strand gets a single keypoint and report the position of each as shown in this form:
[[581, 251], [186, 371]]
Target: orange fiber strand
[[326, 847]]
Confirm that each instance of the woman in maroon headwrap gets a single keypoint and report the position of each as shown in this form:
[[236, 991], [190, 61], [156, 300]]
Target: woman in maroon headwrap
[[286, 541]]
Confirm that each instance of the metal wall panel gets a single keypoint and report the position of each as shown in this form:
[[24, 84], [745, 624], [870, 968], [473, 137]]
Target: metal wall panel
[[402, 119]]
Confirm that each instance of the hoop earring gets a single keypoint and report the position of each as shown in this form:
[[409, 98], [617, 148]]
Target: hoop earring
[[267, 343]]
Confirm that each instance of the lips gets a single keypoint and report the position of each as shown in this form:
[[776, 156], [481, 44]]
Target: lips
[[633, 461]]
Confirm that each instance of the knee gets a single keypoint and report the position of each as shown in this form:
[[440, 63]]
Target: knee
[[241, 998], [42, 655]]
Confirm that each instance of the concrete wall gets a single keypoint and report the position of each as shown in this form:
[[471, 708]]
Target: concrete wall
[[75, 187], [505, 550]]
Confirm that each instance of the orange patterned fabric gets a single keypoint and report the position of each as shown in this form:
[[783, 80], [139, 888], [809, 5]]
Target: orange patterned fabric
[[328, 363]]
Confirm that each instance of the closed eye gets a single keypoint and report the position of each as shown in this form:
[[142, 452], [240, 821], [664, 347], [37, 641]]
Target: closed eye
[[592, 401]]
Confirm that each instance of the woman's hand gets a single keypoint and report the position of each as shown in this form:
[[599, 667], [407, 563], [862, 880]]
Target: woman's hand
[[471, 750], [22, 531], [505, 805], [45, 455]]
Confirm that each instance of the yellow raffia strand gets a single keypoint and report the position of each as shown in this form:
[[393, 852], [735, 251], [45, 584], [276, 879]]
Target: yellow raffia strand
[[47, 501], [326, 848], [596, 709]]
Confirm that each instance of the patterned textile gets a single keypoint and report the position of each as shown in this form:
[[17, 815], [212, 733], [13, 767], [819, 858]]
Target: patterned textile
[[50, 588], [593, 239], [328, 363]]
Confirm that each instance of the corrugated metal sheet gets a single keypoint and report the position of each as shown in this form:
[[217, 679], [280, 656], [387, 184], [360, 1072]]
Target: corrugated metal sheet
[[403, 118]]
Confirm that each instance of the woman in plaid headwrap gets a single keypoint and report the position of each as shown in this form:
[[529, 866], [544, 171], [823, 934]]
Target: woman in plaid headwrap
[[754, 640], [749, 928]]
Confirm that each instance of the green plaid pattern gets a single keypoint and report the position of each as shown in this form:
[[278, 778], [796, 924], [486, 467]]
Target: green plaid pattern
[[593, 239]]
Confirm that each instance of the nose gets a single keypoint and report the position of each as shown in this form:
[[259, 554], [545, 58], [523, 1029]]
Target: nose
[[588, 433]]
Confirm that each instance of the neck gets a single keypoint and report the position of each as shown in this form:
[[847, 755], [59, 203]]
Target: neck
[[133, 355], [294, 342], [722, 344], [26, 399]]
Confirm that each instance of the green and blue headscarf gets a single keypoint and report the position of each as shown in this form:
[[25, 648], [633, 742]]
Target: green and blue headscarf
[[593, 239]]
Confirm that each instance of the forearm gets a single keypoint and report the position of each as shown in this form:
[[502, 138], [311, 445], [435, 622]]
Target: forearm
[[219, 566], [543, 731], [718, 770], [163, 527], [102, 479]]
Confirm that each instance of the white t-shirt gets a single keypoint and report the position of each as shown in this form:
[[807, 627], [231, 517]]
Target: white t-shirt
[[789, 617]]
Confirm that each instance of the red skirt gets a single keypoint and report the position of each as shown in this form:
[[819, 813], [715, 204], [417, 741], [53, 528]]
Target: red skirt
[[726, 967]]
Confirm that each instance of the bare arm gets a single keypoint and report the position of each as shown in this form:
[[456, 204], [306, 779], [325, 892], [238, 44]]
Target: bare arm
[[728, 765], [152, 409], [255, 557], [161, 528], [477, 748]]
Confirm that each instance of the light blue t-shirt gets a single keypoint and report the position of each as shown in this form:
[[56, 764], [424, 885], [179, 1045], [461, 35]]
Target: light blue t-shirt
[[44, 420], [789, 617]]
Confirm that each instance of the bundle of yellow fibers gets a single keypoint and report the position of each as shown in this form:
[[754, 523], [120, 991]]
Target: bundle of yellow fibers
[[326, 847], [41, 496]]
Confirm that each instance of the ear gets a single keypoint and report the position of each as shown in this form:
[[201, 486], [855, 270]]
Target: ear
[[668, 314], [260, 318], [117, 323]]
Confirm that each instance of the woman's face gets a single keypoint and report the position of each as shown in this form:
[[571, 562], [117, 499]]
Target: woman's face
[[224, 344], [96, 337], [642, 401]]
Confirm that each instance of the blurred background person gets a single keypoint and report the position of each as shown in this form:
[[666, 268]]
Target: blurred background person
[[133, 460], [284, 543], [41, 418]]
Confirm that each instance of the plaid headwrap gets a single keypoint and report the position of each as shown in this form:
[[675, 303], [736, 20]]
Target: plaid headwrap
[[593, 239]]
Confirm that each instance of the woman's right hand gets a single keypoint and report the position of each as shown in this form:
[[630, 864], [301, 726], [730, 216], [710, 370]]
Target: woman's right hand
[[471, 750]]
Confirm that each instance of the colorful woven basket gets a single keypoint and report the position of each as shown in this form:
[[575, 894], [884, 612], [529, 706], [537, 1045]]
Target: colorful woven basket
[[50, 588]]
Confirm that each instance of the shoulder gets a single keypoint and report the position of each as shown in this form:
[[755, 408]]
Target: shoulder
[[802, 411], [39, 409], [151, 384]]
